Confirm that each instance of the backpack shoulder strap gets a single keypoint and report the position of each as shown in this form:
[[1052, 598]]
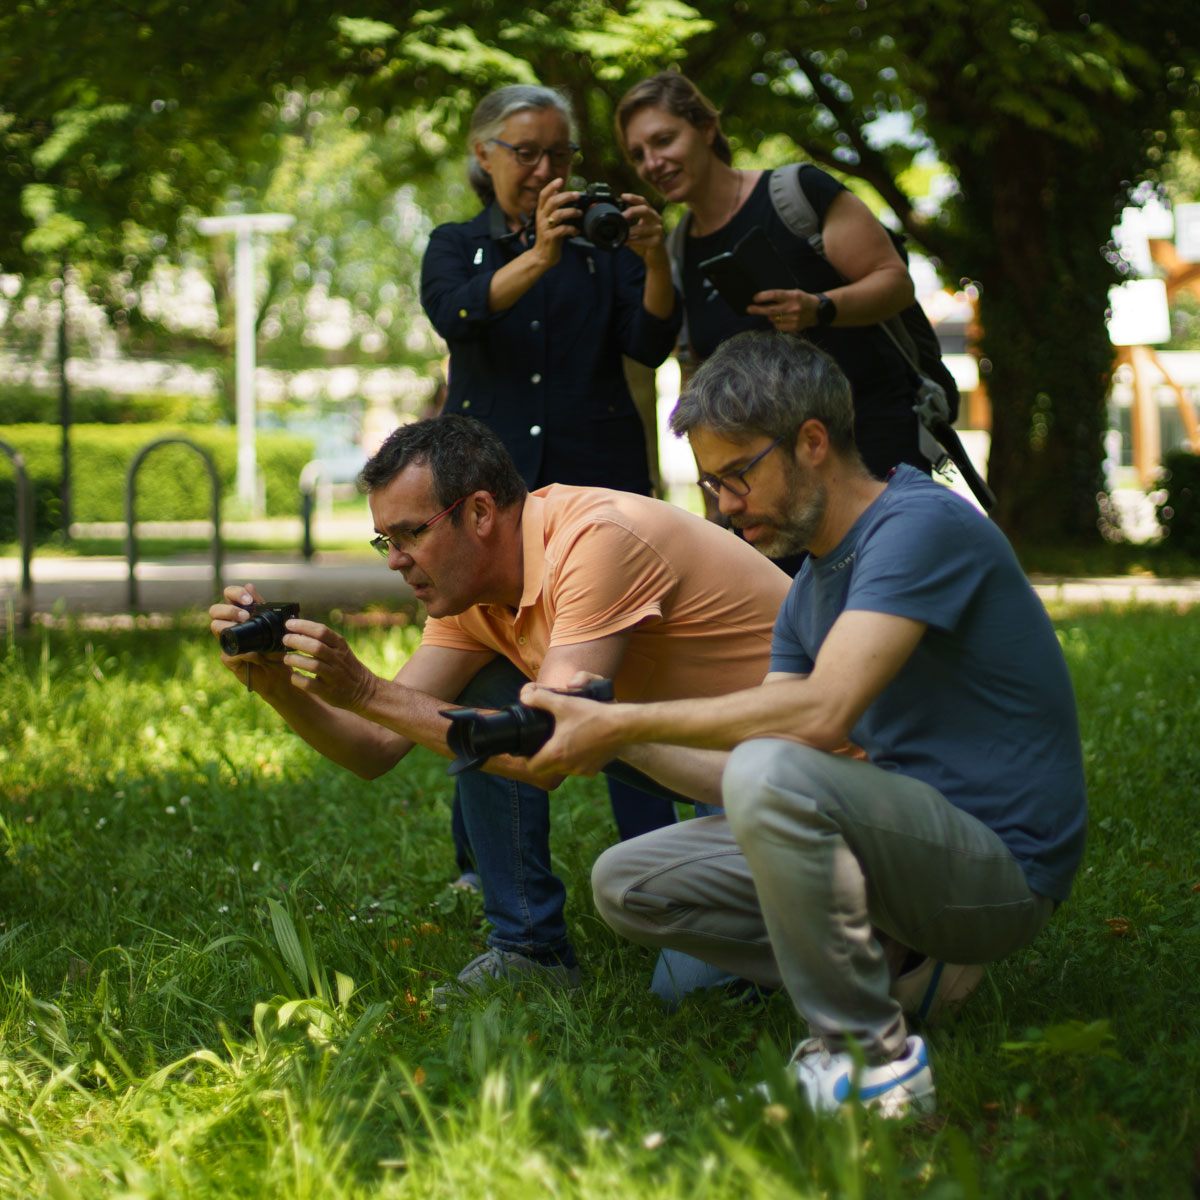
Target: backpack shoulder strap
[[793, 206], [796, 211]]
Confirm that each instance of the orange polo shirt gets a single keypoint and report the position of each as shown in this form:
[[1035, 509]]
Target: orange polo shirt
[[700, 602]]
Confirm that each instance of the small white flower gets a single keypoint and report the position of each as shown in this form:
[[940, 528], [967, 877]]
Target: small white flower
[[223, 909], [100, 824], [185, 799], [257, 864], [170, 809], [652, 1141]]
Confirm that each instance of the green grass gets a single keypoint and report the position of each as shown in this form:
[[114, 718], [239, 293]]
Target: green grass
[[216, 951]]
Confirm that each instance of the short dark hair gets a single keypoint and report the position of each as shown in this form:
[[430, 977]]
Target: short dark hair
[[675, 93], [760, 382], [463, 457]]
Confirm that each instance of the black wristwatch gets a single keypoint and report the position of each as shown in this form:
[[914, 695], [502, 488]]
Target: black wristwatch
[[826, 310]]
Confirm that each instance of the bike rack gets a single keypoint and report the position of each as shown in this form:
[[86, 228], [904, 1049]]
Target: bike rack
[[130, 536], [310, 476], [24, 531]]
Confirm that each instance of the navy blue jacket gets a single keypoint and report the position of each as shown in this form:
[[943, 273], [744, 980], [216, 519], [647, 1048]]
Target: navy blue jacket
[[546, 374]]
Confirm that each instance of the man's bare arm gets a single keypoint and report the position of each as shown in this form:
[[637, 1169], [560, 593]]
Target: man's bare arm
[[861, 655], [684, 769]]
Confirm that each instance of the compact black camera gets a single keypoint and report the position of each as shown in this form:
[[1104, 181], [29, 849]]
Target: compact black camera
[[603, 223], [262, 633], [474, 736]]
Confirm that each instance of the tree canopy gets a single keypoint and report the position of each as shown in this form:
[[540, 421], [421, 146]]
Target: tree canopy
[[116, 124]]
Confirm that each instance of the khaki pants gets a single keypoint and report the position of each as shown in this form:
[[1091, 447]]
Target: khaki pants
[[815, 853]]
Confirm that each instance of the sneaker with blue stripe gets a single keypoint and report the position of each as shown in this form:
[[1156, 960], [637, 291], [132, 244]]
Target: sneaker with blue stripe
[[828, 1079]]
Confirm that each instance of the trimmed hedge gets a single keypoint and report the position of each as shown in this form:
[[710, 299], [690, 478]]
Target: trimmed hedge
[[172, 483], [1179, 510], [24, 404]]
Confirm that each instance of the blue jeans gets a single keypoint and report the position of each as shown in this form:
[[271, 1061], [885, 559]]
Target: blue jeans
[[507, 833]]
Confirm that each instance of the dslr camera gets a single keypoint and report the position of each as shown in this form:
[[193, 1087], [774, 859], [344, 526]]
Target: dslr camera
[[602, 223], [518, 729], [262, 632]]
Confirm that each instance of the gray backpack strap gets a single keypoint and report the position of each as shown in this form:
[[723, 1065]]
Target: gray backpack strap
[[794, 208], [676, 244]]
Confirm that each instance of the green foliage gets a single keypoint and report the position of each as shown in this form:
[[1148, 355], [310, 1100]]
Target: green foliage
[[1179, 509], [1044, 116], [216, 953], [22, 404], [172, 484]]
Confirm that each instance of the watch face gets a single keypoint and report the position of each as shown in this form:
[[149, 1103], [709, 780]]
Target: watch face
[[826, 310]]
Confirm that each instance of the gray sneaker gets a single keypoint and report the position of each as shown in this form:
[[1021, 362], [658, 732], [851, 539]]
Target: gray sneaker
[[495, 967], [934, 989]]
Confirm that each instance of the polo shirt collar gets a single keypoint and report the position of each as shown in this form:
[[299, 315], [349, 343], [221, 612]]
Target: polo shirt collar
[[533, 543]]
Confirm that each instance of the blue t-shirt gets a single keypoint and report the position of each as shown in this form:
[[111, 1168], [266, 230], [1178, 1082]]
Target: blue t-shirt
[[983, 710]]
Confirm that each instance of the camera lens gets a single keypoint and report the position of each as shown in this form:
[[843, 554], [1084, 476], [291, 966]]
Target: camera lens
[[262, 634], [517, 729], [605, 227]]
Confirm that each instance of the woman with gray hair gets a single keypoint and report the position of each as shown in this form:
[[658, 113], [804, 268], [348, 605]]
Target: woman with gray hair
[[537, 317]]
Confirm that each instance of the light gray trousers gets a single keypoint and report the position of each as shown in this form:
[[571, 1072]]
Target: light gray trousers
[[815, 853]]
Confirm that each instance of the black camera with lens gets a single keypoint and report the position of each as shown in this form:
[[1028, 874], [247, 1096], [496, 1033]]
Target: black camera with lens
[[518, 729], [603, 222], [262, 632]]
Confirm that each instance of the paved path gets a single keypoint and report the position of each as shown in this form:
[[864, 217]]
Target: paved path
[[100, 584], [354, 581]]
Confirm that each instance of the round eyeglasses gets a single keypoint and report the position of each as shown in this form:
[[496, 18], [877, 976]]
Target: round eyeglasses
[[735, 481], [529, 155], [405, 539]]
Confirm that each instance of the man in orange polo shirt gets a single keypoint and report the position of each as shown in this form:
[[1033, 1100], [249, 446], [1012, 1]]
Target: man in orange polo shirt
[[518, 586]]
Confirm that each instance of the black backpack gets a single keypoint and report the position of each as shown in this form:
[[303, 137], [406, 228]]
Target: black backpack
[[936, 401]]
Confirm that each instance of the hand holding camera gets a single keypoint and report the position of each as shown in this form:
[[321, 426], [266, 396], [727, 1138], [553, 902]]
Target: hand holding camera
[[474, 737], [595, 214], [314, 658]]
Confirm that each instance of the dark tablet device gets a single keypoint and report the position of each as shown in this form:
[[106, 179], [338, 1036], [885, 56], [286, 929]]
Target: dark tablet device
[[752, 266]]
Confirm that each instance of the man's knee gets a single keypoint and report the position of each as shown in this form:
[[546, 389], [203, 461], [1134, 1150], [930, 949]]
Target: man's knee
[[766, 777], [611, 880]]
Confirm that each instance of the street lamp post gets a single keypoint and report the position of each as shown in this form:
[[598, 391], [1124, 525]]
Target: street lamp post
[[243, 226]]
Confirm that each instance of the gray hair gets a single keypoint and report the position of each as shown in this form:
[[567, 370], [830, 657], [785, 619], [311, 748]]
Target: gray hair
[[759, 382], [493, 111]]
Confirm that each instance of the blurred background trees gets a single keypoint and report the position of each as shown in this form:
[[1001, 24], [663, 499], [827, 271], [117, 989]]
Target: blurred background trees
[[118, 127]]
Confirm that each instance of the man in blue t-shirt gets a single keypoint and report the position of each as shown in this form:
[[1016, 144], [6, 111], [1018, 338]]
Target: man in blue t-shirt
[[912, 632]]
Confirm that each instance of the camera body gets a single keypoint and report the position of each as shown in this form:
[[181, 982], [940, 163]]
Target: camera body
[[603, 222], [262, 632], [518, 729]]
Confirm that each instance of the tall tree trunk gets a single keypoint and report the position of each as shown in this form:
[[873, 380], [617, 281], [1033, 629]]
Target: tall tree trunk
[[1046, 350]]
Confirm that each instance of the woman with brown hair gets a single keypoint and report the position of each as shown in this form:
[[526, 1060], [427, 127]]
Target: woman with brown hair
[[672, 134]]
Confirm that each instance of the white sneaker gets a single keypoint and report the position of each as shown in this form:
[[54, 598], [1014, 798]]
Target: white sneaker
[[830, 1079], [934, 988], [494, 967]]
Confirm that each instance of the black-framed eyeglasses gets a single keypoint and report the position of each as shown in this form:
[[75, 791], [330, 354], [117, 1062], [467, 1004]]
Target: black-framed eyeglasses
[[735, 482], [529, 155], [406, 539]]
